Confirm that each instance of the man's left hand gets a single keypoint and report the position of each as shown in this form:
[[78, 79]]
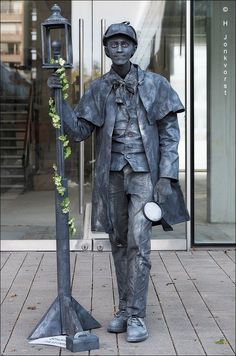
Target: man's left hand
[[162, 189]]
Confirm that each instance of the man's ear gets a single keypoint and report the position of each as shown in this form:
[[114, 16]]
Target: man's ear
[[106, 51], [134, 50]]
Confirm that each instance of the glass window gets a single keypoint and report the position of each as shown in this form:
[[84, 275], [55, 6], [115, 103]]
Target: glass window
[[214, 121], [10, 48], [10, 28], [160, 28], [11, 6], [27, 188]]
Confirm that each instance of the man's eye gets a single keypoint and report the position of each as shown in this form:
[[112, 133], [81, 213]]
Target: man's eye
[[124, 44]]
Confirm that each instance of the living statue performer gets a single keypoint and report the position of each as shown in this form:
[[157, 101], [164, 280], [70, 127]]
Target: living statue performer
[[134, 113]]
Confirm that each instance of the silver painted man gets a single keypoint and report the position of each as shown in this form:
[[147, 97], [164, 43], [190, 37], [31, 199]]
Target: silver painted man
[[134, 114]]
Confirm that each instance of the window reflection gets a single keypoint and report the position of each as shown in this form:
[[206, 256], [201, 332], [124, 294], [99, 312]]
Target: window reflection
[[214, 121]]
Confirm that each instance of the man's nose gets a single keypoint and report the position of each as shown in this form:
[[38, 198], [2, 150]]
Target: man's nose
[[119, 48]]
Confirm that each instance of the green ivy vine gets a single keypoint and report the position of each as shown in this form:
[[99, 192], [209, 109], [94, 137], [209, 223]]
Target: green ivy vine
[[56, 122]]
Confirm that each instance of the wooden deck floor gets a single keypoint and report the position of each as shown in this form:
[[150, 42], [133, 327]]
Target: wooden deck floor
[[191, 302]]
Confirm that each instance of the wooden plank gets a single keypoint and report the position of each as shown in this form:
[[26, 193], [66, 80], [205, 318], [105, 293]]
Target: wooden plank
[[103, 303], [10, 271], [210, 310], [231, 254], [15, 301], [201, 318], [159, 341], [42, 293], [205, 273], [184, 335], [82, 286], [4, 258], [224, 262]]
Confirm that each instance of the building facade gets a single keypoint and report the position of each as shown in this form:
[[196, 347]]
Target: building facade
[[191, 43]]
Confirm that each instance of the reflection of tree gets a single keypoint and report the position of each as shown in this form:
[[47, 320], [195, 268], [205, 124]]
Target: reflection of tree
[[96, 72], [88, 77], [75, 97]]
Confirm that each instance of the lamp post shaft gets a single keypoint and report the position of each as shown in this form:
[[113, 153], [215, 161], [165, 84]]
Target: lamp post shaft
[[65, 316]]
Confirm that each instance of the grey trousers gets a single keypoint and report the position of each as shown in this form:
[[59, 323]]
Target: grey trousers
[[131, 237]]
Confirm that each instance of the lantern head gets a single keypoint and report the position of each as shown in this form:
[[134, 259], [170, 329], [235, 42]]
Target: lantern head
[[56, 29]]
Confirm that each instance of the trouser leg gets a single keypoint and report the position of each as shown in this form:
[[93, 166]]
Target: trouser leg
[[140, 189], [130, 241], [118, 239]]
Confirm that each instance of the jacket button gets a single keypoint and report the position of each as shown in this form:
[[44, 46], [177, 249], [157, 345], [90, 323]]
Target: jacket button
[[130, 134]]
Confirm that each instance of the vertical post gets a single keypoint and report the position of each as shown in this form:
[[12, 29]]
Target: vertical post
[[189, 121], [65, 315], [103, 56], [62, 229], [81, 86]]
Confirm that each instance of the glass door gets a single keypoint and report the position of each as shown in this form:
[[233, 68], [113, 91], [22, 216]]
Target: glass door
[[160, 26], [214, 122]]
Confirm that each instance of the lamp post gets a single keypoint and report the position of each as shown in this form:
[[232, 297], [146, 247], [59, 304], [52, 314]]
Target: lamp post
[[56, 27], [65, 316]]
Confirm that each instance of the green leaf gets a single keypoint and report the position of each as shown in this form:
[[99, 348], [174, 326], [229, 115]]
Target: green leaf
[[56, 117], [221, 342], [72, 227], [65, 205], [60, 70], [72, 230], [62, 138], [61, 190], [67, 152], [62, 62], [51, 101]]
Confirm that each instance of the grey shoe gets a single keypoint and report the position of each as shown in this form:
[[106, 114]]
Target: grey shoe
[[119, 323], [136, 329]]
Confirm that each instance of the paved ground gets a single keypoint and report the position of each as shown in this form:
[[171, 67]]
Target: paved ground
[[191, 303]]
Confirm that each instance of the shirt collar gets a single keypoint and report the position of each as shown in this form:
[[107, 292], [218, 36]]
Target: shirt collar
[[130, 77]]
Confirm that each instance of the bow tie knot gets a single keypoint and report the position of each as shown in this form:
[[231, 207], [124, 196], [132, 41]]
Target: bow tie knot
[[119, 87], [122, 83]]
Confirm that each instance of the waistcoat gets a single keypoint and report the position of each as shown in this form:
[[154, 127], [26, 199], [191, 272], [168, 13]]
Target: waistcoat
[[127, 144]]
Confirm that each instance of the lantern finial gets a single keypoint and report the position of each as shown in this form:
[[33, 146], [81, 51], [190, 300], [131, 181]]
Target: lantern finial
[[56, 28], [56, 10], [56, 15]]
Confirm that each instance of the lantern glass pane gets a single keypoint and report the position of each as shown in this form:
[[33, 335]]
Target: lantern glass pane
[[58, 34], [50, 35]]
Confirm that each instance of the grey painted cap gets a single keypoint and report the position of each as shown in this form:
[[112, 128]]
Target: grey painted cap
[[122, 28]]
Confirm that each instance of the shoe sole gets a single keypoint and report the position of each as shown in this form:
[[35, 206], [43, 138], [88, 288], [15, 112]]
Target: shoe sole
[[118, 331], [133, 339]]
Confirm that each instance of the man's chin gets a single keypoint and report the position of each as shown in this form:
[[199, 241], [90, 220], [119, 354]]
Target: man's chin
[[120, 62]]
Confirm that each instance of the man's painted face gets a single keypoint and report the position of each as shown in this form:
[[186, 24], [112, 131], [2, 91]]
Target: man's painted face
[[120, 49]]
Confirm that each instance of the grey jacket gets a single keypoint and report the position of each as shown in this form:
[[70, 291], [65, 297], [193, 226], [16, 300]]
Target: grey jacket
[[158, 124]]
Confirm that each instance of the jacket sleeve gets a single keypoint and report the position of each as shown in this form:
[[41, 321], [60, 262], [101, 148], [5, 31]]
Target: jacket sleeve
[[169, 136], [77, 128], [168, 100]]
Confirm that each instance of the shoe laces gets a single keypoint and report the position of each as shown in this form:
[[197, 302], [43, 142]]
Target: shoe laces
[[121, 313], [135, 320]]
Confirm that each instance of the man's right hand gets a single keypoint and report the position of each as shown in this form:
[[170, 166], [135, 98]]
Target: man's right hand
[[54, 81]]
